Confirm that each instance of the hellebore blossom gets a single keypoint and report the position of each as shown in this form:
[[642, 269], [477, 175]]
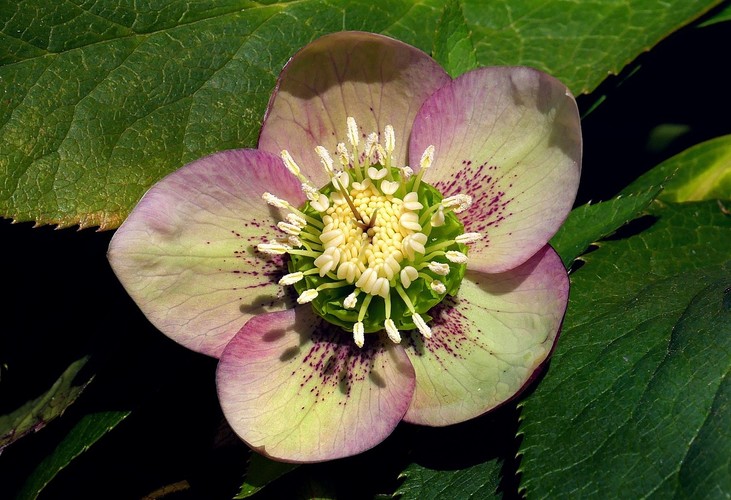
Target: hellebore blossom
[[381, 256]]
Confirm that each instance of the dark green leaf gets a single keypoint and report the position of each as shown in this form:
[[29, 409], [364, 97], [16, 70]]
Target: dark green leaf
[[589, 223], [453, 46], [630, 404], [578, 42], [35, 414], [479, 481], [84, 434], [101, 101], [702, 172], [262, 471]]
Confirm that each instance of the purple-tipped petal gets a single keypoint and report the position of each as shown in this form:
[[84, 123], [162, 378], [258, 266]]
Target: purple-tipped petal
[[488, 342], [297, 389], [186, 254], [510, 137], [375, 79]]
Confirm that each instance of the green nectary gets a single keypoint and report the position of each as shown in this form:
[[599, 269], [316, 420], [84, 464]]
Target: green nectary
[[329, 303]]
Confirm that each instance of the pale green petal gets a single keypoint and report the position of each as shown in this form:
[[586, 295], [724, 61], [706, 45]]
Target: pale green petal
[[186, 254], [510, 138], [375, 79], [488, 343], [299, 390]]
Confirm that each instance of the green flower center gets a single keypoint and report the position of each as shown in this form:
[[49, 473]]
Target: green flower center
[[376, 248]]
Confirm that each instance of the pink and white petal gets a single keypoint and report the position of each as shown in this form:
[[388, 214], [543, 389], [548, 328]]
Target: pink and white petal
[[489, 341], [297, 389], [373, 78], [187, 252], [510, 137]]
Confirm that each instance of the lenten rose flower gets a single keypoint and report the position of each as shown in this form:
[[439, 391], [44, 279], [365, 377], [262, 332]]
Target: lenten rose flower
[[381, 256]]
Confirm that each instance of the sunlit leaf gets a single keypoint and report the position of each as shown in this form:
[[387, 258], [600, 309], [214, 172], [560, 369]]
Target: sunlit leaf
[[453, 46], [102, 100], [578, 42], [702, 172]]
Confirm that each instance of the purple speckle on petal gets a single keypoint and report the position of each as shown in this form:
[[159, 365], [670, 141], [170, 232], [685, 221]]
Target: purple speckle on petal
[[335, 363], [452, 333], [490, 201]]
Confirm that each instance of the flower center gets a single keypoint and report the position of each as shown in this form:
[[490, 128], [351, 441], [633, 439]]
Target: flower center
[[375, 248]]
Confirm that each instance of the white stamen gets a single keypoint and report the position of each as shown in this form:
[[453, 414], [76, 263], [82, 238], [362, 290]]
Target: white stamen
[[352, 132], [389, 139], [291, 278], [379, 154], [294, 241], [438, 287], [370, 143], [458, 203], [288, 228], [456, 257], [350, 301], [273, 248], [421, 325], [438, 268], [296, 220], [411, 201], [359, 334], [274, 201], [392, 331], [342, 152], [310, 191], [389, 187], [325, 158], [290, 164], [407, 172], [427, 158], [408, 275], [467, 238], [307, 296]]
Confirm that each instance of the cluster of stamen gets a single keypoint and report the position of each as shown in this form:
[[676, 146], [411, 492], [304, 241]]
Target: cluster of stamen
[[368, 231]]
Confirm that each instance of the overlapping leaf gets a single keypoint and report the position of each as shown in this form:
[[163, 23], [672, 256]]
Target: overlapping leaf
[[642, 367], [578, 42], [103, 99], [479, 481]]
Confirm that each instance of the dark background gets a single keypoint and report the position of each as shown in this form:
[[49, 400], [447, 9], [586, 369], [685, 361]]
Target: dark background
[[61, 301]]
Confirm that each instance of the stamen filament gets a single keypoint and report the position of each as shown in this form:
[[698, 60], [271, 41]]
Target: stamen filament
[[364, 307]]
